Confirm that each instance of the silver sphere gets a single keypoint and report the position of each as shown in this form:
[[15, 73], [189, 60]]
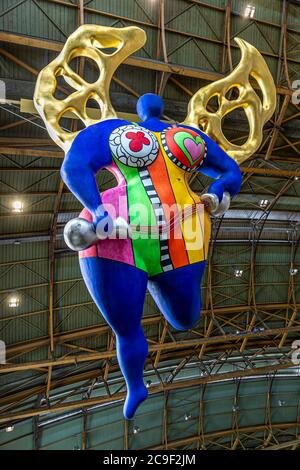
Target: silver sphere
[[79, 234], [211, 200], [223, 206], [216, 208]]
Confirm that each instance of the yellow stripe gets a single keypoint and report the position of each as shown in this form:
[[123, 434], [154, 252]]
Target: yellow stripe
[[195, 229], [204, 220]]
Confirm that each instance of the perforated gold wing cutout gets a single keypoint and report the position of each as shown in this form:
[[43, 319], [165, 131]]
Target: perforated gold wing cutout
[[86, 41], [258, 112]]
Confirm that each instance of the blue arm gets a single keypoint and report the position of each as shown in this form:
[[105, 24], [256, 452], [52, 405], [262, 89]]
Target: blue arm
[[87, 155], [223, 168]]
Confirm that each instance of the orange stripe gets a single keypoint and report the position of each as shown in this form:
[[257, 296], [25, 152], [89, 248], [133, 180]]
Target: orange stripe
[[192, 228], [161, 182]]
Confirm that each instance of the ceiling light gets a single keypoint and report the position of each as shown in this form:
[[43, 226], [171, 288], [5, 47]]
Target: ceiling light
[[13, 302], [238, 272], [235, 408], [257, 329], [263, 203], [148, 383], [136, 430], [9, 428], [249, 11], [281, 402], [293, 271], [187, 416], [17, 206]]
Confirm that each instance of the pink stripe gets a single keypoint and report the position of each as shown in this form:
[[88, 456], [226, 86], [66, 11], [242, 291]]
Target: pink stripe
[[92, 251], [115, 200]]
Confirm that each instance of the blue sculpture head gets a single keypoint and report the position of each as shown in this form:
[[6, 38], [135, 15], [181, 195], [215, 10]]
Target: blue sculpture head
[[150, 106]]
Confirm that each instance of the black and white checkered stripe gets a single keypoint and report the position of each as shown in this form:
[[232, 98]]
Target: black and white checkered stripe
[[165, 260], [174, 159]]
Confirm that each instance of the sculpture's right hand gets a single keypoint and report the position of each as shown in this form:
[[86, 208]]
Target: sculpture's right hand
[[80, 234]]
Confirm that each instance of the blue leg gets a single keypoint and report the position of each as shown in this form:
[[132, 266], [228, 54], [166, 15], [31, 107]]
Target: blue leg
[[119, 291], [178, 296]]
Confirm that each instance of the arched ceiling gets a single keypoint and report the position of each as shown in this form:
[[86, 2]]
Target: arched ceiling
[[229, 383]]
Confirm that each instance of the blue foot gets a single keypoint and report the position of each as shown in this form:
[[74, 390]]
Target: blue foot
[[133, 400]]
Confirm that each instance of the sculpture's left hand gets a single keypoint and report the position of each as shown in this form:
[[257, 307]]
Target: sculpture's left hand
[[214, 206]]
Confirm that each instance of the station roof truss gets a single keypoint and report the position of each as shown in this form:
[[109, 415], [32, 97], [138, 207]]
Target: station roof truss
[[230, 383]]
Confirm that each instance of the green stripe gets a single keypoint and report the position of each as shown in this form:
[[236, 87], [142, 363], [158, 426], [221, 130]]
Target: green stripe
[[146, 250]]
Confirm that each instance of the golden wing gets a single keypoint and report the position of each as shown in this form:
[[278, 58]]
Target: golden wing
[[86, 41], [258, 112]]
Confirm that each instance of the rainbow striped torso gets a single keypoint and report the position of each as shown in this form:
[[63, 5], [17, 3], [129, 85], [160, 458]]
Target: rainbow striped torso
[[153, 170]]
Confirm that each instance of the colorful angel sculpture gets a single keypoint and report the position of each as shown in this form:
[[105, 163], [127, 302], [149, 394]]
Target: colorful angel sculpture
[[151, 230]]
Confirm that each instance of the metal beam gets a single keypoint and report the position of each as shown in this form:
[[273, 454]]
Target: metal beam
[[152, 348], [285, 445], [9, 417], [225, 433], [148, 64]]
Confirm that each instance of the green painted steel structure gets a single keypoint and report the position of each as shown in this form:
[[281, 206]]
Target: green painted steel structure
[[230, 382]]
